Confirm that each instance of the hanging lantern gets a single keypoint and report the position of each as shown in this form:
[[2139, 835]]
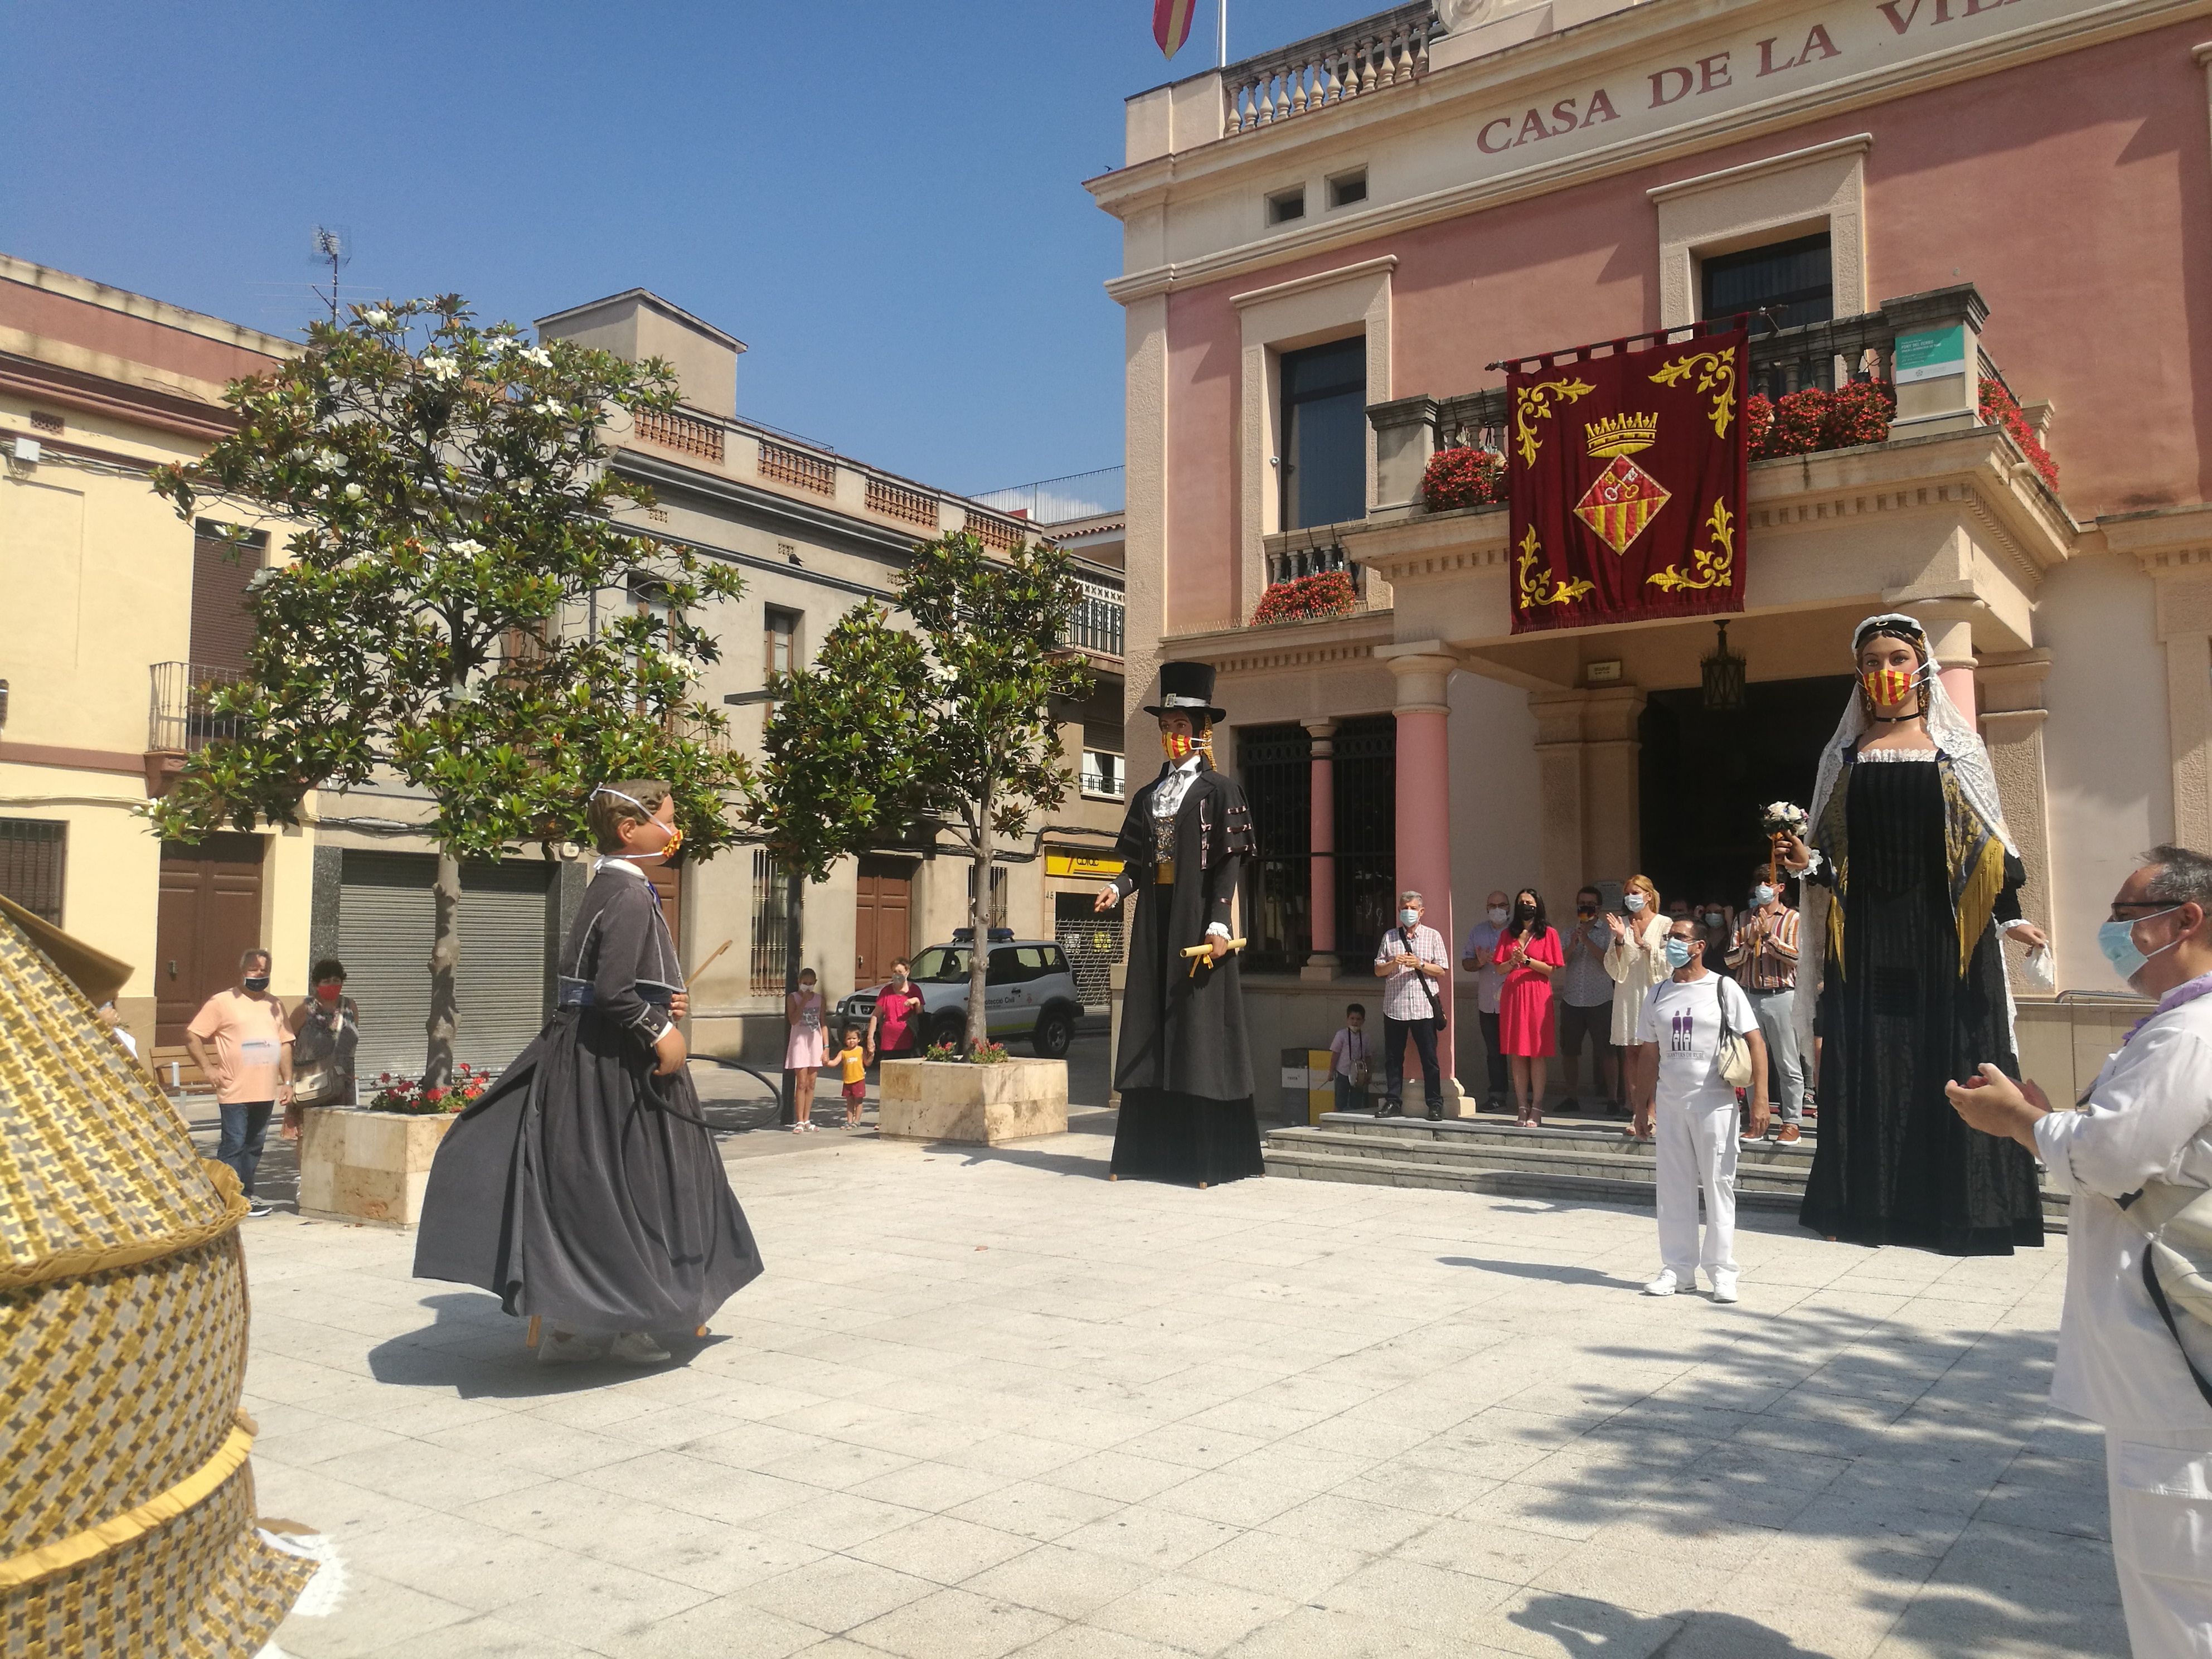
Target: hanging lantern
[[1723, 677]]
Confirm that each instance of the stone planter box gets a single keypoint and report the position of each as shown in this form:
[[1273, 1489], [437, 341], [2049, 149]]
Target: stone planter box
[[366, 1166], [937, 1100]]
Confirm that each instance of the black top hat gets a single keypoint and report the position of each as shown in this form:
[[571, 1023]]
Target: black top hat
[[1187, 687]]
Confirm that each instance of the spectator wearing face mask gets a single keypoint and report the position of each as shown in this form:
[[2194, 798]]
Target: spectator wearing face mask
[[1764, 958], [1585, 1002], [1479, 959], [1636, 959], [1414, 963], [1530, 954], [325, 1032], [242, 1043], [1717, 926]]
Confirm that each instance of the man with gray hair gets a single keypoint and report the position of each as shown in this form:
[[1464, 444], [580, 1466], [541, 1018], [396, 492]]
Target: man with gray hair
[[1413, 962], [250, 1065], [2137, 1149]]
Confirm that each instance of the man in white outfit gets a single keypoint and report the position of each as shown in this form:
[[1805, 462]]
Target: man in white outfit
[[1679, 1083], [2146, 1118]]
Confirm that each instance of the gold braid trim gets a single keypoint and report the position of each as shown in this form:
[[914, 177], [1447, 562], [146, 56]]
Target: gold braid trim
[[80, 1263], [1976, 858], [1978, 902], [80, 1548]]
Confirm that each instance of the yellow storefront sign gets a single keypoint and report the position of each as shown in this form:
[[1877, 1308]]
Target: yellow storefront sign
[[1080, 864]]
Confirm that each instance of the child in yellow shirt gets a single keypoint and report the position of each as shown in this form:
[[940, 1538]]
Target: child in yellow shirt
[[853, 1063]]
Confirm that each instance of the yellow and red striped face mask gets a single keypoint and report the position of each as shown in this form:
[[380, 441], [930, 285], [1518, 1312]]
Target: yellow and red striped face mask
[[1177, 745], [1889, 688]]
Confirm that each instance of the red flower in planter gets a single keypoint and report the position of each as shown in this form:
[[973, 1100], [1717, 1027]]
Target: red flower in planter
[[1463, 476], [2000, 408], [1330, 593]]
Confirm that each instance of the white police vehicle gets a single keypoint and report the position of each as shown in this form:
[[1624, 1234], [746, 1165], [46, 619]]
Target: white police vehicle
[[1028, 991]]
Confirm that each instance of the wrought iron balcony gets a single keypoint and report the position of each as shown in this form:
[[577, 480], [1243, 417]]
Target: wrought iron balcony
[[180, 720], [1103, 775], [1096, 624]]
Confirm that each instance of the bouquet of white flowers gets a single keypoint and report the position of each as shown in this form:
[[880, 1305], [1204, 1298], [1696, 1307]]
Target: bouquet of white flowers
[[1782, 817]]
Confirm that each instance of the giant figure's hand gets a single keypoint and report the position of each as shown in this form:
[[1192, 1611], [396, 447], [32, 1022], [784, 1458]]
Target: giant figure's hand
[[1109, 897]]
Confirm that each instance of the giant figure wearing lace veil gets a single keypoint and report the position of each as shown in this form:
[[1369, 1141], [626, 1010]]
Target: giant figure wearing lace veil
[[1911, 880]]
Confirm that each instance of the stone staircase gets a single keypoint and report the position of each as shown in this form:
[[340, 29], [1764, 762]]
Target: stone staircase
[[1592, 1162]]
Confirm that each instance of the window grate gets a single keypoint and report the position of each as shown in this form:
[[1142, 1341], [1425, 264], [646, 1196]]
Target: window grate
[[1366, 810], [1276, 765], [771, 940], [32, 855]]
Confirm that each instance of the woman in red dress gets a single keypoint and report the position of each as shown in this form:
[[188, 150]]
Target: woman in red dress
[[1528, 951]]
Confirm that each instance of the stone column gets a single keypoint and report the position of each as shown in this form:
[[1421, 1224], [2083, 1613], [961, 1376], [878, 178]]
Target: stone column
[[1588, 743], [2185, 627], [1951, 643], [1320, 901], [2012, 725], [1562, 799], [1423, 850]]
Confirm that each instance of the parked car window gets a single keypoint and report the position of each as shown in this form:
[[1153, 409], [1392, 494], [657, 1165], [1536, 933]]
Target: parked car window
[[1005, 969], [1032, 958], [1055, 962], [942, 965]]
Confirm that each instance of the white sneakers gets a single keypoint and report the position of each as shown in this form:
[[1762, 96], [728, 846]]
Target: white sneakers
[[1668, 1284], [558, 1346], [636, 1348]]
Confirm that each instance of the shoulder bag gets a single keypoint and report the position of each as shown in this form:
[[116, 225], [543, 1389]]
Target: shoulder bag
[[1731, 1055], [2177, 1264], [1362, 1072], [1428, 990]]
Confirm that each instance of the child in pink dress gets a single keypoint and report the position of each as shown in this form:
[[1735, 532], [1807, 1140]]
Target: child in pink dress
[[804, 1053], [1529, 951]]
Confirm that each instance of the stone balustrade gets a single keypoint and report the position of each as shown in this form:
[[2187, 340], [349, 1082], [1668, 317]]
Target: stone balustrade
[[1384, 50]]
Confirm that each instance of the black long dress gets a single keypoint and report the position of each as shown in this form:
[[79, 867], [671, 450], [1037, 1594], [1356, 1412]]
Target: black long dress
[[581, 1186], [1894, 1164], [1184, 1069]]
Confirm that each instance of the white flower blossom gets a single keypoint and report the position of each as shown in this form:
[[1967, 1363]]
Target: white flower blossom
[[547, 406], [354, 492], [465, 548], [377, 316], [438, 366], [328, 460], [523, 486], [495, 343], [539, 355]]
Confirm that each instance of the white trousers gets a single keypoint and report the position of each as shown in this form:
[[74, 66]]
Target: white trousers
[[1696, 1150], [2161, 1497]]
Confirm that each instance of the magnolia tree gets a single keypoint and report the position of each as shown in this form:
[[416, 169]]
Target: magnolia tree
[[460, 610], [837, 775], [948, 729]]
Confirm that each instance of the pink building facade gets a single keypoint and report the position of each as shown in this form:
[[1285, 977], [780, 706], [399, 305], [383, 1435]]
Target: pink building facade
[[1362, 223]]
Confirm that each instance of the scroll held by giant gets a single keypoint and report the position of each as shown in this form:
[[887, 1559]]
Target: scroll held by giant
[[1627, 474]]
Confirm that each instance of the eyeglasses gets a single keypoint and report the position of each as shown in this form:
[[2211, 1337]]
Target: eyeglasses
[[2149, 908]]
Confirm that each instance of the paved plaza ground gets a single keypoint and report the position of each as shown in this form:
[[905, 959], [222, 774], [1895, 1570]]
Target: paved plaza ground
[[986, 1403]]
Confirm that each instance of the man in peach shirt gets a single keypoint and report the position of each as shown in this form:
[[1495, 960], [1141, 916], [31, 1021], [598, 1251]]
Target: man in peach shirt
[[250, 1064]]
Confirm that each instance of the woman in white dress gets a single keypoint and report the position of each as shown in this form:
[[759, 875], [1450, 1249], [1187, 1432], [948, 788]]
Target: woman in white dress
[[806, 1052], [1637, 958]]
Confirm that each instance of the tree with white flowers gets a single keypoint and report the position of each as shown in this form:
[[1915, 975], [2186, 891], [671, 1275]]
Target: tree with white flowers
[[461, 610]]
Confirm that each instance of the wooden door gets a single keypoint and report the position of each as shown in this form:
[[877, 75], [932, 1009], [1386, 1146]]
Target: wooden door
[[668, 887], [209, 915], [882, 901]]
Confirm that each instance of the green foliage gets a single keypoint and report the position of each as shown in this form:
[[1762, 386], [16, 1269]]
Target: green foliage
[[838, 769], [450, 504]]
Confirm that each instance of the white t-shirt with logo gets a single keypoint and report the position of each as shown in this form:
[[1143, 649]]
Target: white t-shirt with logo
[[1683, 1017]]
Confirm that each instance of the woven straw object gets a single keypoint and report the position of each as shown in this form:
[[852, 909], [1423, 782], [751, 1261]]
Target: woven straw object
[[126, 1502]]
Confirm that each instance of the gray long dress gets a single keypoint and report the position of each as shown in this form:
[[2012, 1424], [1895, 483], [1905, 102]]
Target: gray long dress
[[581, 1186]]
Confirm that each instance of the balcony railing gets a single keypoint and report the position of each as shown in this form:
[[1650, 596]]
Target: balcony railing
[[178, 720], [1057, 501], [1291, 563], [1103, 775], [795, 466], [1097, 622], [897, 501], [680, 432], [1385, 51]]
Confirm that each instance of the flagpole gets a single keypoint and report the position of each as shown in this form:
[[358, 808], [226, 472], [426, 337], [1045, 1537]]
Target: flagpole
[[1224, 34]]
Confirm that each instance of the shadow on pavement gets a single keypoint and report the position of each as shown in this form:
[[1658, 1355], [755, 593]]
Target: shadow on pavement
[[1584, 1627], [1554, 1273], [477, 1352]]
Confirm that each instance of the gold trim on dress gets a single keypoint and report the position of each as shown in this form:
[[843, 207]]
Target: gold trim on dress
[[81, 1546]]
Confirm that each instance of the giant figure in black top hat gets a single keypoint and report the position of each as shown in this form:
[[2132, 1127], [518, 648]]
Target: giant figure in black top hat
[[1184, 1069]]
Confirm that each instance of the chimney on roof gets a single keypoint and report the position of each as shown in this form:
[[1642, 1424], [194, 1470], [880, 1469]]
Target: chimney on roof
[[639, 324]]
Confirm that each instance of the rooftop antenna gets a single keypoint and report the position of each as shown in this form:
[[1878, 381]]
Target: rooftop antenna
[[333, 246]]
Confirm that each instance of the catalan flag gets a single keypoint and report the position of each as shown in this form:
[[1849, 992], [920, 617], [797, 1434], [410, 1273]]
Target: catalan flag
[[1172, 23]]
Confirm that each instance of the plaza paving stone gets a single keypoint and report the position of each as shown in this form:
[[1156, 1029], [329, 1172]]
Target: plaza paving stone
[[986, 1403]]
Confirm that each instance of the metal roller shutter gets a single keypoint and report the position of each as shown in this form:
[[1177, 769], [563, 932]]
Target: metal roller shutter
[[386, 917]]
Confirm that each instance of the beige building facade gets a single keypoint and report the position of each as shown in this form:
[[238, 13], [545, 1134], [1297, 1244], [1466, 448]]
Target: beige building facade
[[1406, 203], [116, 610]]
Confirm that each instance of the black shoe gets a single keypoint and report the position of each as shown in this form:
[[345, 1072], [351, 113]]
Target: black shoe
[[1569, 1104], [258, 1207], [1436, 1113]]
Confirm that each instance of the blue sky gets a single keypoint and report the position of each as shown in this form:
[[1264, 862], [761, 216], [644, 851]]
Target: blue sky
[[882, 200]]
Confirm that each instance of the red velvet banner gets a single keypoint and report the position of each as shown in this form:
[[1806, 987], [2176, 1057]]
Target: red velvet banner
[[1628, 477]]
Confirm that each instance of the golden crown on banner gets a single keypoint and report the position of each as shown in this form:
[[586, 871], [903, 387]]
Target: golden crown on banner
[[1622, 435]]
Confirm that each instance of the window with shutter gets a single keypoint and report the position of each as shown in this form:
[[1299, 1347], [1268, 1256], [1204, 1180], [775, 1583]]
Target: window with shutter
[[222, 564]]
